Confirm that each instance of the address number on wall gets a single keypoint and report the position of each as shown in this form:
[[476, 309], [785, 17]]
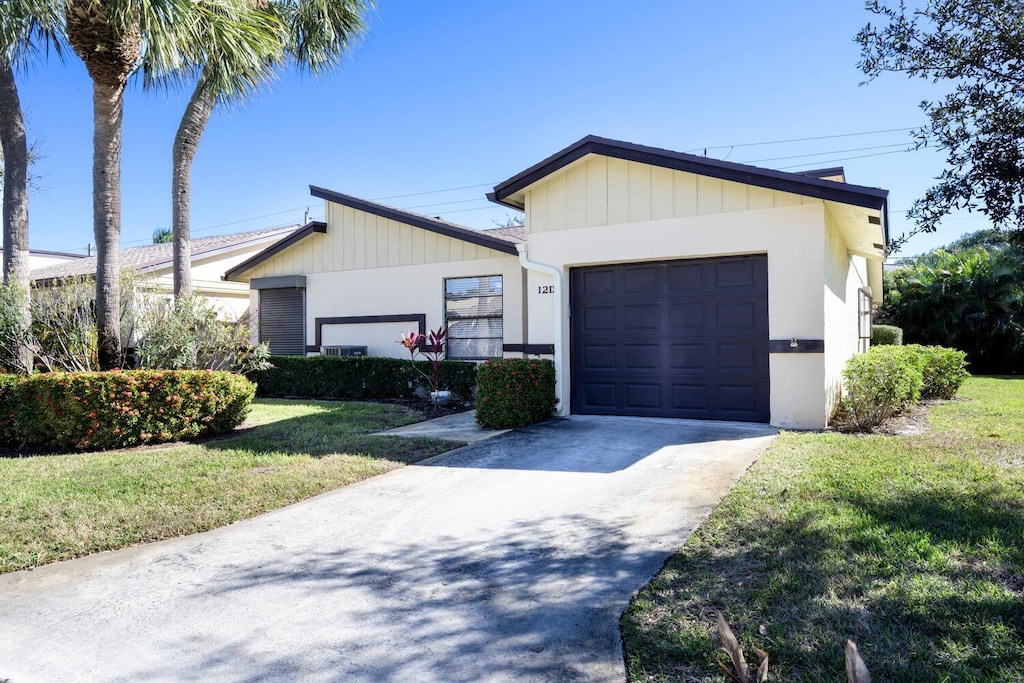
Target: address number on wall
[[546, 289]]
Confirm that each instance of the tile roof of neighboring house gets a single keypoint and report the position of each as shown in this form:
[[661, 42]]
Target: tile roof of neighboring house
[[155, 256], [515, 233], [45, 252]]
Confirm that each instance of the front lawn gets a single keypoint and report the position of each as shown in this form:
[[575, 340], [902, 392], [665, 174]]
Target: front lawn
[[912, 546], [55, 507]]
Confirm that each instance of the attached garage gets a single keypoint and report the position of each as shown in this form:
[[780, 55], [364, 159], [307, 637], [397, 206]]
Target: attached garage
[[685, 338]]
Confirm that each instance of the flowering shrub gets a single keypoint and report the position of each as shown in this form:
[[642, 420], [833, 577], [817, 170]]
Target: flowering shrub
[[514, 392], [430, 347], [101, 410]]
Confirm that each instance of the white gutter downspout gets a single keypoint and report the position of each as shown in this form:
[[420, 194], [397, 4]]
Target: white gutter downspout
[[556, 274]]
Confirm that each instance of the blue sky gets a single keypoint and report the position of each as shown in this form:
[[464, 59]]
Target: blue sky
[[460, 93]]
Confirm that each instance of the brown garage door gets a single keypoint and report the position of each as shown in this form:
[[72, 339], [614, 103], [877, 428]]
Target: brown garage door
[[672, 339]]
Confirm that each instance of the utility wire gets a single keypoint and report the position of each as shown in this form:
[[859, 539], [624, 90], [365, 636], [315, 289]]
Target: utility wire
[[822, 154], [819, 137]]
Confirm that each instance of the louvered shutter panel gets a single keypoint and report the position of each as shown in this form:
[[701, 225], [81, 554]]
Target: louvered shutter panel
[[282, 314]]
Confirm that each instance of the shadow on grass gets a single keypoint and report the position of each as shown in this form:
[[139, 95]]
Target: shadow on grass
[[929, 586], [340, 427]]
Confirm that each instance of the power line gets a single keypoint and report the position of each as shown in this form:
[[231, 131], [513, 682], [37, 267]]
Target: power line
[[819, 137], [450, 189], [821, 154], [863, 156], [461, 201]]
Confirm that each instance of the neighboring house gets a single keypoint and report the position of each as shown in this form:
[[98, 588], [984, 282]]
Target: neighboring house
[[40, 258], [211, 258], [662, 284]]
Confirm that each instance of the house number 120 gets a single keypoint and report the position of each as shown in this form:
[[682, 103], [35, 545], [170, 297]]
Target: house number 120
[[546, 289]]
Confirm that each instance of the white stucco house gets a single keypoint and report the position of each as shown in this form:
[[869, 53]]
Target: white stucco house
[[211, 258], [660, 283]]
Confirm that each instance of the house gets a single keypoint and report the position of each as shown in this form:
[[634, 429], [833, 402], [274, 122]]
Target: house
[[39, 258], [211, 258], [661, 284]]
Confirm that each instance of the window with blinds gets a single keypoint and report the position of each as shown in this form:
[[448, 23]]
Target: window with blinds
[[473, 315]]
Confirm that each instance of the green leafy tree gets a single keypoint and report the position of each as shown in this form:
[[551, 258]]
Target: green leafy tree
[[27, 27], [972, 300], [162, 236], [313, 35], [114, 39], [975, 49]]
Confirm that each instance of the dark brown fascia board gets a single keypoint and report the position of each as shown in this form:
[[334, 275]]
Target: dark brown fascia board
[[415, 220], [277, 247], [796, 183]]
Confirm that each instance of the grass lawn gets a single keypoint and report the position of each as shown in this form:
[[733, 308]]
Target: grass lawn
[[55, 507], [912, 546]]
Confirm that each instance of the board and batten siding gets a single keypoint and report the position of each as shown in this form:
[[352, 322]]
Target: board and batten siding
[[599, 190], [357, 240]]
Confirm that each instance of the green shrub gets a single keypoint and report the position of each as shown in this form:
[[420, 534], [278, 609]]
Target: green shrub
[[10, 397], [886, 335], [102, 410], [188, 334], [944, 370], [366, 377], [881, 383], [515, 392]]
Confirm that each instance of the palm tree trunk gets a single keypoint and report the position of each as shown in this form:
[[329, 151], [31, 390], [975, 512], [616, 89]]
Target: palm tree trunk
[[108, 100], [15, 204], [190, 130]]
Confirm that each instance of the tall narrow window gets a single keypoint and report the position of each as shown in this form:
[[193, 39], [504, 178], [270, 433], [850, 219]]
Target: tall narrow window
[[473, 314], [864, 318]]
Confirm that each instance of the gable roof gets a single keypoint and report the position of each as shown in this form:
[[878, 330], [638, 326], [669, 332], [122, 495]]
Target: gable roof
[[507, 192], [155, 256], [303, 232], [483, 238]]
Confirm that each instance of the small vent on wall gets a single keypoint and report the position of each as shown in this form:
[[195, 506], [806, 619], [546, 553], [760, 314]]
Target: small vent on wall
[[343, 350]]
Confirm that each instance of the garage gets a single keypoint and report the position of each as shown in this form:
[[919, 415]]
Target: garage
[[683, 338]]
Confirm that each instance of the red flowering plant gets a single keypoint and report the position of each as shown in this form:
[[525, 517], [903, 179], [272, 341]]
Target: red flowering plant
[[430, 347]]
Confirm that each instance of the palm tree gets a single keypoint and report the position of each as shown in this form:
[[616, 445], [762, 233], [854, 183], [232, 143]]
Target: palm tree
[[114, 38], [316, 35], [25, 27]]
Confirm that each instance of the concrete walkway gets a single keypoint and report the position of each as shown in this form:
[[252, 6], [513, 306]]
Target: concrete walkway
[[507, 560]]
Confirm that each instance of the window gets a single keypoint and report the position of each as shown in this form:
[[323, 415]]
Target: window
[[282, 317], [864, 318], [473, 314]]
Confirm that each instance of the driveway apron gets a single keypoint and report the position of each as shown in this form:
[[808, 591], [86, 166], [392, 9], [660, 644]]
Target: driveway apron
[[506, 560]]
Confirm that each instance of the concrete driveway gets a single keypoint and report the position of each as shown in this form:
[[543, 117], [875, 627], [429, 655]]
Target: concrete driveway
[[510, 559]]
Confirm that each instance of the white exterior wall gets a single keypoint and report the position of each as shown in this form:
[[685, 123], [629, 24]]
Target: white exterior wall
[[845, 275], [402, 290], [366, 265], [792, 236]]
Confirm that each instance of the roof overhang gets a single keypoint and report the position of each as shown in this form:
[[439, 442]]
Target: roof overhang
[[512, 192], [440, 227], [276, 248]]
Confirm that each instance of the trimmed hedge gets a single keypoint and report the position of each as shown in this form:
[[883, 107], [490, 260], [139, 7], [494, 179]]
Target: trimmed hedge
[[362, 377], [515, 392], [886, 379], [944, 370], [880, 383], [886, 335], [103, 410]]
